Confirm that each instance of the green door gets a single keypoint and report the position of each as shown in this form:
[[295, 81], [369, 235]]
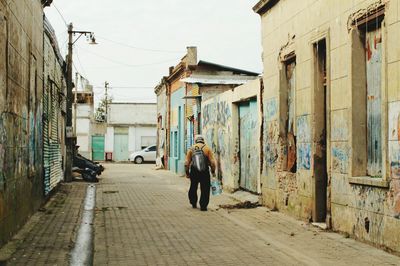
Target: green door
[[121, 152], [98, 148]]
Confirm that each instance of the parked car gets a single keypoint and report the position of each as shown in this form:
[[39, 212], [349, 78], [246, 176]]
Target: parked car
[[146, 155]]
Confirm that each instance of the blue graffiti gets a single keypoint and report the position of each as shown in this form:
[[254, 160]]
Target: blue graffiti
[[303, 129], [304, 156], [271, 109]]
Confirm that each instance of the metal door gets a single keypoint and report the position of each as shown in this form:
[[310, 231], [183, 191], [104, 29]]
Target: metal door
[[98, 148], [249, 159], [374, 108], [121, 152]]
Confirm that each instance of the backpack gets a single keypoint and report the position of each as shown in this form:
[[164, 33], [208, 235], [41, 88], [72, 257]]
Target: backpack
[[199, 160]]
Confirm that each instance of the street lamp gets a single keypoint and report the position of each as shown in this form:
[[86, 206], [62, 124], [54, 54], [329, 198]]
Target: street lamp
[[70, 137]]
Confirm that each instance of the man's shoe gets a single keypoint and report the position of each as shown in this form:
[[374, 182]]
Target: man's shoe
[[203, 209], [194, 206]]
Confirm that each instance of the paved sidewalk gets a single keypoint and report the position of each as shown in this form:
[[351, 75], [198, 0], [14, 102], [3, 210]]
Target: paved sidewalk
[[48, 236], [143, 218]]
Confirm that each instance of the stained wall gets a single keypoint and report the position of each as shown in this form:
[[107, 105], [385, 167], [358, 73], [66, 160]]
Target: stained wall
[[366, 207], [21, 108]]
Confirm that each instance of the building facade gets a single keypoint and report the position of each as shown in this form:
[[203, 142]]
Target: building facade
[[232, 126], [331, 114], [162, 112], [21, 113], [130, 127], [84, 117], [188, 84], [54, 111]]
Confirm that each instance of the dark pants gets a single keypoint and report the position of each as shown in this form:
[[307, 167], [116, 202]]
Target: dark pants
[[204, 179]]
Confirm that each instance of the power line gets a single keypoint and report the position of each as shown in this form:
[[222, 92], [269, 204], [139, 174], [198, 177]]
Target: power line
[[62, 17], [125, 64], [139, 48], [126, 87], [80, 64]]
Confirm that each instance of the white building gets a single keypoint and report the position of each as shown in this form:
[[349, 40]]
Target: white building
[[84, 116], [130, 127]]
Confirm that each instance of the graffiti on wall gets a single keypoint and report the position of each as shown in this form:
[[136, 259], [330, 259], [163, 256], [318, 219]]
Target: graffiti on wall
[[394, 192], [216, 112], [271, 109], [271, 132], [217, 128], [340, 159], [394, 121], [340, 129], [303, 129], [304, 156]]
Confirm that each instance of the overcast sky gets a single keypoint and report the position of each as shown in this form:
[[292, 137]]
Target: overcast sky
[[139, 40]]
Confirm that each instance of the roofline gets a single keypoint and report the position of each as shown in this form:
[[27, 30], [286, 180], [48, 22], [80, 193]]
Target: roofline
[[132, 103], [263, 6], [242, 71]]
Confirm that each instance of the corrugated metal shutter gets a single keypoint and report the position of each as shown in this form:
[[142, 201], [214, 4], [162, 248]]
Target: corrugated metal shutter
[[52, 147]]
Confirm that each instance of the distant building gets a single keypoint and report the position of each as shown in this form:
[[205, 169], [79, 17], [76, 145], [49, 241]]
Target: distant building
[[179, 97], [130, 127], [84, 119]]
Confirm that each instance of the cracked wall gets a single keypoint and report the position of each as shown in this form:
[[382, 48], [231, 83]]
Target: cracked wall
[[21, 107], [365, 207]]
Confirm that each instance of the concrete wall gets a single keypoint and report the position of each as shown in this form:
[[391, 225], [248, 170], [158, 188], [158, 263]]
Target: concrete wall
[[366, 207], [220, 126], [84, 116], [135, 134], [177, 151], [132, 113], [162, 119], [21, 90]]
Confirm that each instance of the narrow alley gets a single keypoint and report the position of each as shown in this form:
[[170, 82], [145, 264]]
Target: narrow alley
[[142, 217]]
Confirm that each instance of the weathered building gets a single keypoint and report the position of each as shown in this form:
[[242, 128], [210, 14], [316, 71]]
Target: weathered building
[[187, 85], [175, 99], [130, 127], [21, 110], [232, 126], [331, 114], [84, 116], [54, 111], [162, 112]]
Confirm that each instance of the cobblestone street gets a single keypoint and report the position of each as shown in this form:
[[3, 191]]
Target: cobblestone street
[[143, 218]]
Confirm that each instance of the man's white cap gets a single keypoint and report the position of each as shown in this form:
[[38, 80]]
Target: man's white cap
[[199, 138]]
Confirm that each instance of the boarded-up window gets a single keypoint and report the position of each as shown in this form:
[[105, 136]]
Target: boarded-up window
[[367, 54], [373, 48], [287, 113]]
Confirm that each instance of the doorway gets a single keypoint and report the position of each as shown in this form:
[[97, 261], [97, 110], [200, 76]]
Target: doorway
[[320, 188], [248, 141]]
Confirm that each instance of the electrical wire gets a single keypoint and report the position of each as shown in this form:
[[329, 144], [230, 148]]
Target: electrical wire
[[62, 17], [125, 64], [139, 48]]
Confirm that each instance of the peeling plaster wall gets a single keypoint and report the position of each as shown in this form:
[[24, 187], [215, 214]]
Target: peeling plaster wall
[[370, 213], [21, 108], [220, 126], [217, 130]]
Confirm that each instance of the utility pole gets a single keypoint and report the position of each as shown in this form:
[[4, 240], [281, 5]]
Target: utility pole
[[106, 84], [70, 136]]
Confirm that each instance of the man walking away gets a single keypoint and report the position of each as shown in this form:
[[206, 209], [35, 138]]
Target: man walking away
[[199, 159]]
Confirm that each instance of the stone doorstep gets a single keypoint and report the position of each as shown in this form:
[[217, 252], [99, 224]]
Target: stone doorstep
[[321, 226], [243, 196]]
